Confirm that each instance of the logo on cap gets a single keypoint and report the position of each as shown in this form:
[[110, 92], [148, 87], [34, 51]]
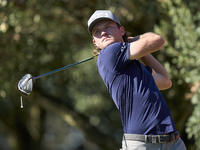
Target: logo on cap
[[99, 15]]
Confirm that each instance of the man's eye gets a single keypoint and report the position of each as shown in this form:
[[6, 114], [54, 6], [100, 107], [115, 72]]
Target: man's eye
[[108, 27], [96, 32]]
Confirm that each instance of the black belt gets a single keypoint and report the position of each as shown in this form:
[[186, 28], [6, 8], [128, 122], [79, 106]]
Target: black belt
[[152, 138]]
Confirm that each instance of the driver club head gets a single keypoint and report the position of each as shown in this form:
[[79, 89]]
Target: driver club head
[[25, 85]]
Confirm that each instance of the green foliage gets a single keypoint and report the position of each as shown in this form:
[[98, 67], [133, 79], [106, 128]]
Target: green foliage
[[183, 43], [193, 128]]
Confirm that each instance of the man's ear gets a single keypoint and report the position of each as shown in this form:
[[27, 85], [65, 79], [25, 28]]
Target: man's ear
[[122, 30], [95, 43]]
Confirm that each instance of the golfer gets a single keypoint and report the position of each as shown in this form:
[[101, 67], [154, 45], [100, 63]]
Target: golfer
[[134, 79]]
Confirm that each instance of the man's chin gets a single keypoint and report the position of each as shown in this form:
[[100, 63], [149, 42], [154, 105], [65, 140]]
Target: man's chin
[[108, 43]]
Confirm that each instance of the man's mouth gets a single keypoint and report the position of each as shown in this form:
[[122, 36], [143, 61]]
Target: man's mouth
[[105, 39]]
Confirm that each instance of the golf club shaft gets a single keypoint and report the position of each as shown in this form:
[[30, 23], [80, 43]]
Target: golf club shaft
[[63, 68]]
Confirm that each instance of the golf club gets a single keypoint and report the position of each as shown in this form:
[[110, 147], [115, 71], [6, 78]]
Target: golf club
[[25, 85]]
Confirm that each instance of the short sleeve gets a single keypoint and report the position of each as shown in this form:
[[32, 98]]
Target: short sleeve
[[115, 56]]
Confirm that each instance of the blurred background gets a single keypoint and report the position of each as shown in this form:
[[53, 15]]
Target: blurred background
[[72, 110]]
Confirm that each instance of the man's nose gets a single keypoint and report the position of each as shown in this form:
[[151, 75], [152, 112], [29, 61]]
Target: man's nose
[[103, 32]]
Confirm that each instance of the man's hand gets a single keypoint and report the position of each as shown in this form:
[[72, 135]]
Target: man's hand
[[133, 39]]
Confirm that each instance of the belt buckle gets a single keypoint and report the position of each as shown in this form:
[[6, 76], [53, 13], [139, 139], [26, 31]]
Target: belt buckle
[[160, 140], [154, 139]]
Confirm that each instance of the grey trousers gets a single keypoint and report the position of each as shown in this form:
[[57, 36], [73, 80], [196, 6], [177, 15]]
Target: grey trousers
[[178, 144]]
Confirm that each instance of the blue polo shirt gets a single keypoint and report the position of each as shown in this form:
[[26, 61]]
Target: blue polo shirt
[[142, 108]]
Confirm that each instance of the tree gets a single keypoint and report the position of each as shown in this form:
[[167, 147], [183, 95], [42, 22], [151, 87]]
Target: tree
[[182, 33]]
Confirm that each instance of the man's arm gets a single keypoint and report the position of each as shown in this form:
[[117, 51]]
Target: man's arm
[[145, 44], [159, 73], [141, 47]]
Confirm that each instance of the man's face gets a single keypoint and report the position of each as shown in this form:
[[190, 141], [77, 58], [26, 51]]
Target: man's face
[[106, 32]]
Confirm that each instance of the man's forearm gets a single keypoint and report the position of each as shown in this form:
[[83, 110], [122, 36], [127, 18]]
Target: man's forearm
[[145, 44], [159, 73], [150, 61]]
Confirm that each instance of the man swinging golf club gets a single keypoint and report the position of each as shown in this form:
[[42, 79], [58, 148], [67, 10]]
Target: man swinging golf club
[[134, 86]]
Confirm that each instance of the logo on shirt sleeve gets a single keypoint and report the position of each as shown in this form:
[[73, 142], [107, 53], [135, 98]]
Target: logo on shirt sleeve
[[123, 47]]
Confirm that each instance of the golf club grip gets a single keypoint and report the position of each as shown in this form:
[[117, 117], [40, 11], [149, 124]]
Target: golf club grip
[[63, 68]]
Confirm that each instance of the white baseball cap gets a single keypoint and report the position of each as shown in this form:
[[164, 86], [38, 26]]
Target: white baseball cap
[[100, 15]]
